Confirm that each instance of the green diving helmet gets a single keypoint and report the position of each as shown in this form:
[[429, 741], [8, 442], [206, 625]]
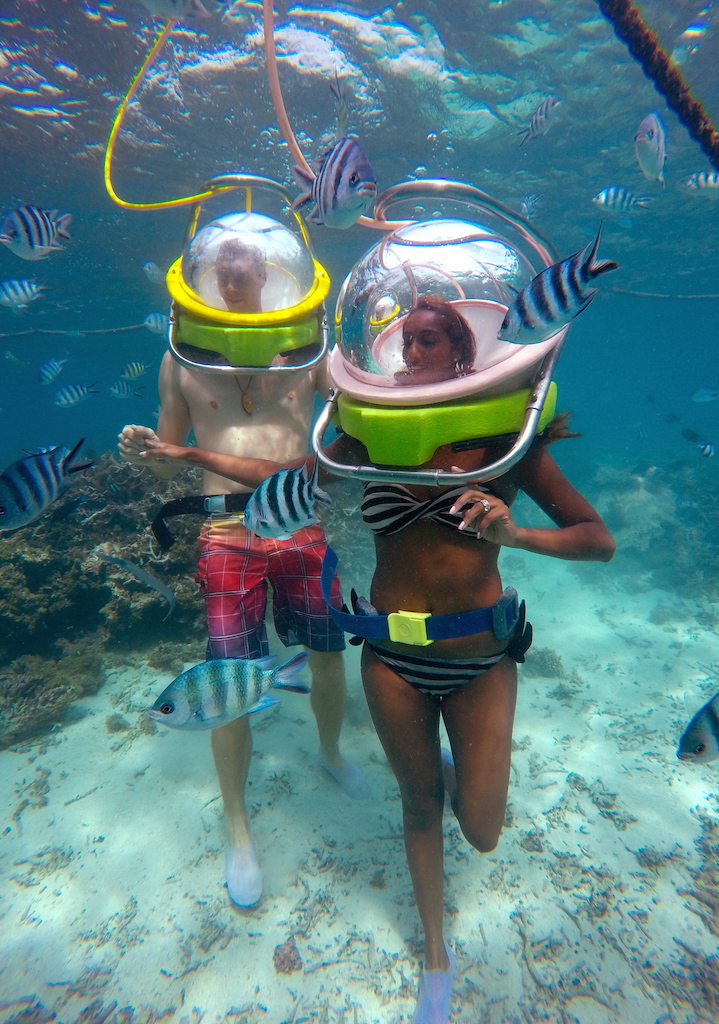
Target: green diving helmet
[[402, 406], [248, 295]]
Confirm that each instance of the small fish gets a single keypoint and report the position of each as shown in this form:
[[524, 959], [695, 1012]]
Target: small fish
[[176, 10], [13, 359], [32, 484], [51, 370], [705, 395], [32, 233], [63, 512], [641, 434], [555, 296], [143, 576], [17, 295], [700, 740], [541, 120], [152, 272], [343, 183], [691, 435], [73, 394], [121, 389], [283, 503], [671, 417], [220, 691], [134, 370], [706, 182], [619, 199], [156, 322], [650, 149], [706, 448], [529, 205]]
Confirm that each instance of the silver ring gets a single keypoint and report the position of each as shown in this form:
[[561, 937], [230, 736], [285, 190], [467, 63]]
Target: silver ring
[[485, 505]]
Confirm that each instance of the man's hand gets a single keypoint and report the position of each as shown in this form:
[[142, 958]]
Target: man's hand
[[132, 440]]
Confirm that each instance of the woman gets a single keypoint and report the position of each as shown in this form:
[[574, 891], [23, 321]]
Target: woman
[[437, 343], [451, 539]]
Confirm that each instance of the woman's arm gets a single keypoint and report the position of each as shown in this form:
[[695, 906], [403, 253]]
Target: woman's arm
[[242, 469], [582, 535]]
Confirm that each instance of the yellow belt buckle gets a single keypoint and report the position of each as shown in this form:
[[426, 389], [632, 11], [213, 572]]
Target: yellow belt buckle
[[408, 628]]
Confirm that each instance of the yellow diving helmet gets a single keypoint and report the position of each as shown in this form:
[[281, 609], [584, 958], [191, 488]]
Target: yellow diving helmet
[[248, 295], [467, 272]]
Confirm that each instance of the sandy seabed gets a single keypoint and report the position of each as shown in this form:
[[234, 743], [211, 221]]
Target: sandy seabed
[[599, 905]]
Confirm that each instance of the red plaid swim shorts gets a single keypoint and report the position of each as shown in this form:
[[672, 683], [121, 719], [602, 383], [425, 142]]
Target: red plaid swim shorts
[[234, 570]]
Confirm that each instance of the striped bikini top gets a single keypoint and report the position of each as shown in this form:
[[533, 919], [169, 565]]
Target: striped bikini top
[[389, 508]]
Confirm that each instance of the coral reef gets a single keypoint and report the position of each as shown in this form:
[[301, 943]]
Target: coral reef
[[544, 662]]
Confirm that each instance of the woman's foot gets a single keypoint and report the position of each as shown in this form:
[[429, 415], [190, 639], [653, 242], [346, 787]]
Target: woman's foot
[[435, 994]]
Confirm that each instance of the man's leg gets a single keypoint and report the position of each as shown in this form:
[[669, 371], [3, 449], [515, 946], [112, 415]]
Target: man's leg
[[231, 577], [328, 698], [231, 750]]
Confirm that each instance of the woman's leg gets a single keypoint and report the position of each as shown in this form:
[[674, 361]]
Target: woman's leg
[[479, 718], [407, 723]]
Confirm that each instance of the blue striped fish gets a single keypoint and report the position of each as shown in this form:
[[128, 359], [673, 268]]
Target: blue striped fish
[[619, 199], [706, 182], [134, 370], [51, 370], [32, 484], [156, 322], [556, 296], [214, 693], [73, 394], [541, 119], [121, 389], [32, 233], [342, 184], [283, 503], [17, 295]]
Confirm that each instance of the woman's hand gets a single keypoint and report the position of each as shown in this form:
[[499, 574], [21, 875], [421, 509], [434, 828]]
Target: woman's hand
[[133, 440], [488, 515], [162, 451]]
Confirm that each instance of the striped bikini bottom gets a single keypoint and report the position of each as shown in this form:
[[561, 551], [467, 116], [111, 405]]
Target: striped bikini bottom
[[435, 676]]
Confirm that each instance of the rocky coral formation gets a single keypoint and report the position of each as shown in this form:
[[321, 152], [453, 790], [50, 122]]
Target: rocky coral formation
[[63, 612]]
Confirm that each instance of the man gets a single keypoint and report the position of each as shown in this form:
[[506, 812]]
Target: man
[[268, 416]]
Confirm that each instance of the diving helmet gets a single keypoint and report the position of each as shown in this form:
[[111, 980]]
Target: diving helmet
[[248, 295], [405, 387]]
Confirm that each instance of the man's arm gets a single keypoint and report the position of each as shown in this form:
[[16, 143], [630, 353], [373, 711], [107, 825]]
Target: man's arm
[[173, 425]]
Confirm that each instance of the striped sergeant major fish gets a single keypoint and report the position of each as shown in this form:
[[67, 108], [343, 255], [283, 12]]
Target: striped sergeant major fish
[[343, 183], [134, 370], [32, 233], [619, 199], [73, 394], [700, 739], [51, 370], [121, 389], [541, 120], [156, 322], [706, 182], [17, 295], [283, 503], [214, 693], [32, 484], [555, 296]]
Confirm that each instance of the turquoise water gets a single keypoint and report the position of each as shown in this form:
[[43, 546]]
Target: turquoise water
[[568, 920]]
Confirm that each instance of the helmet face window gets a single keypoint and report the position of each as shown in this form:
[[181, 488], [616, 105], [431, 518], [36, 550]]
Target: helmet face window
[[248, 263]]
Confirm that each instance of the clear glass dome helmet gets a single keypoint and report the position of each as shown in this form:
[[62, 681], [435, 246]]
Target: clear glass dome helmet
[[474, 269], [248, 295], [418, 363]]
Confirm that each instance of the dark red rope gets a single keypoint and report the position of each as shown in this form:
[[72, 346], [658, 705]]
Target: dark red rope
[[643, 46]]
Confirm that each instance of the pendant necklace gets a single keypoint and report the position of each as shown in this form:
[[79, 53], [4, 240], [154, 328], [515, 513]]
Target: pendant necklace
[[247, 403]]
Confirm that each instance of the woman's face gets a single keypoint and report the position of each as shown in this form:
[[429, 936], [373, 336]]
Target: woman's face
[[428, 353]]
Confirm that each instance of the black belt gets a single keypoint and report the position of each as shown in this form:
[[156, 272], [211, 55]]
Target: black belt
[[194, 505]]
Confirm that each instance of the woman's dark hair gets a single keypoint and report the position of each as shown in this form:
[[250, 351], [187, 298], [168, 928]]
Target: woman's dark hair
[[458, 331]]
